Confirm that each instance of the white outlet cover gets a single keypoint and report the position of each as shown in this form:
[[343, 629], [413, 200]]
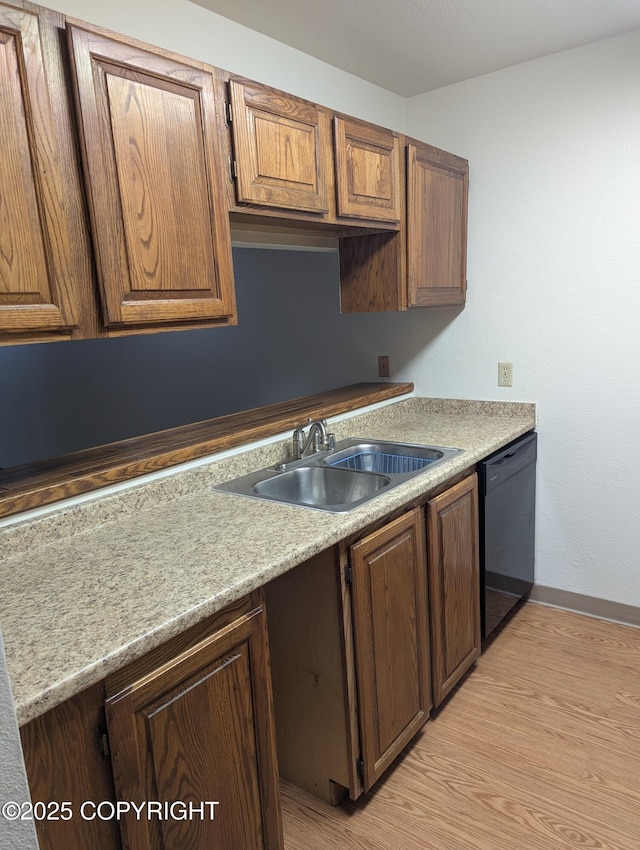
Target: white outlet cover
[[505, 374]]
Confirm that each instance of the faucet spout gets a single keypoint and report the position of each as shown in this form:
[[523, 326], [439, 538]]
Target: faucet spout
[[316, 440]]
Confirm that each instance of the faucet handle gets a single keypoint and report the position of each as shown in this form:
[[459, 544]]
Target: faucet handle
[[298, 441]]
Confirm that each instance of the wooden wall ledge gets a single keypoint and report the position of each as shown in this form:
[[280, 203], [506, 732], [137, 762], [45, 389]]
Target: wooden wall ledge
[[33, 485]]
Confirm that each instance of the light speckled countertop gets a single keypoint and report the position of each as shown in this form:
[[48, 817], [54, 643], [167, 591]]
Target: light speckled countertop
[[87, 589]]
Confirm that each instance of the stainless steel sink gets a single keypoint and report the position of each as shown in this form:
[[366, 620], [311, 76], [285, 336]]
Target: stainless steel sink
[[321, 486], [340, 479]]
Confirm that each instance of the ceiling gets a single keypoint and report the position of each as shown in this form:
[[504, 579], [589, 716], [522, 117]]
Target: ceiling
[[414, 46]]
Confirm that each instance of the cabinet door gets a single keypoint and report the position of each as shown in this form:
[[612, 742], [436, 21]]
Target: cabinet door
[[281, 143], [152, 171], [199, 730], [437, 192], [454, 584], [391, 640], [368, 169], [35, 278]]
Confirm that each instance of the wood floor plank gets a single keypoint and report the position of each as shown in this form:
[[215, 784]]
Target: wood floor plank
[[532, 782], [576, 631], [569, 678], [517, 745], [564, 720], [539, 749]]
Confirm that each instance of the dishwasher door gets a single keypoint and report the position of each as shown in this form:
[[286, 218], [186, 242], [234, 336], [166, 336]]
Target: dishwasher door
[[507, 482]]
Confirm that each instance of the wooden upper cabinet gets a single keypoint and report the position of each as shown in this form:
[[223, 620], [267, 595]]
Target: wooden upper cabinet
[[391, 637], [281, 144], [160, 228], [437, 193], [454, 584], [368, 171], [424, 265], [35, 276]]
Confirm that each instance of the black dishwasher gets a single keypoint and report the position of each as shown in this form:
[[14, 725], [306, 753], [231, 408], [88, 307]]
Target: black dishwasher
[[507, 482]]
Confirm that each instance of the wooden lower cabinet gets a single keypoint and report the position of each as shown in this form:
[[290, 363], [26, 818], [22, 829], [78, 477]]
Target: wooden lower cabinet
[[454, 584], [190, 726], [391, 640], [350, 659]]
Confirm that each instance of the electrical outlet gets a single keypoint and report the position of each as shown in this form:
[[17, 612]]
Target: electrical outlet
[[505, 374], [383, 366]]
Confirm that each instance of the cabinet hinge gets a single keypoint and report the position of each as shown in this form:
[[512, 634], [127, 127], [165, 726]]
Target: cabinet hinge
[[233, 169], [348, 575], [228, 112], [103, 742], [360, 768]]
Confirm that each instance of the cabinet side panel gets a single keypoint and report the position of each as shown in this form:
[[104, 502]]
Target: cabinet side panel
[[310, 699], [64, 763], [372, 273]]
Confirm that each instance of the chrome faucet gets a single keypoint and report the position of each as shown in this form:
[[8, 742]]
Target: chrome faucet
[[317, 440]]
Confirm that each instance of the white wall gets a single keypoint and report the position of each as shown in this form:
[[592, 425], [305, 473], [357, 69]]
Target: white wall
[[16, 834], [196, 32], [554, 287]]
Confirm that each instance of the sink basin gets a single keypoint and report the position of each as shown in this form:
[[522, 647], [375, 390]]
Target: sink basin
[[321, 486], [384, 456], [341, 479]]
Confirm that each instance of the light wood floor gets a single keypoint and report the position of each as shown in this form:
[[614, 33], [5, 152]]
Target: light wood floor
[[539, 749]]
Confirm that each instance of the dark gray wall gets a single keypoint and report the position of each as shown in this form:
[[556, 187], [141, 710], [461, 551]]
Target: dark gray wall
[[290, 341]]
